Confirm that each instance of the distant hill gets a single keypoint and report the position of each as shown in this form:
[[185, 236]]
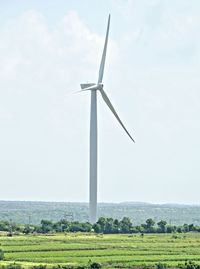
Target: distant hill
[[34, 212]]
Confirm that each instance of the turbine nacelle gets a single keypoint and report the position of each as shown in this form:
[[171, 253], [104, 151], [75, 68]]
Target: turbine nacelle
[[92, 87]]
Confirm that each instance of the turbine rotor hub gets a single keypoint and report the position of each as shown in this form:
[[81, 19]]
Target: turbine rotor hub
[[100, 86]]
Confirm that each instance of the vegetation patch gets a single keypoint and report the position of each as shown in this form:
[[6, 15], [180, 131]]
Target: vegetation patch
[[84, 250]]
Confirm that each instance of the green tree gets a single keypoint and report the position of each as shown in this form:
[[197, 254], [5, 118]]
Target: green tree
[[185, 228], [108, 226], [4, 226], [125, 225], [191, 227], [102, 223], [97, 228], [116, 226], [162, 226], [171, 229], [46, 226], [150, 225], [179, 229], [63, 225]]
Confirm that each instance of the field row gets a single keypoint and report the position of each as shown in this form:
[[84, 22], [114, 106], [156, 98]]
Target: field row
[[109, 250]]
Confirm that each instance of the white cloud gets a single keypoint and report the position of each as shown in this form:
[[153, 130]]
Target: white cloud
[[39, 65], [161, 32], [44, 61], [27, 41]]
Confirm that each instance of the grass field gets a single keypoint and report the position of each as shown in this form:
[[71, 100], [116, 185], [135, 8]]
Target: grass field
[[112, 251]]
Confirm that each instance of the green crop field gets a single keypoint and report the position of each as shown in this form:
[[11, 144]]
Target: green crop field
[[112, 251]]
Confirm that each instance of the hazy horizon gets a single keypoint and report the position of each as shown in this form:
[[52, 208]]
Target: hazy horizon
[[105, 202]]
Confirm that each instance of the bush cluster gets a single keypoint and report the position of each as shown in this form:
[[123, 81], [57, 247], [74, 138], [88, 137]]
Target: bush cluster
[[91, 265], [102, 226], [95, 265]]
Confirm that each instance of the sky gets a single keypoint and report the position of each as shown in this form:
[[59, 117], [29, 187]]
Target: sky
[[152, 76]]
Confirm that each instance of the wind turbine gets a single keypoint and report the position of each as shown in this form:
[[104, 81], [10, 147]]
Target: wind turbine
[[94, 87]]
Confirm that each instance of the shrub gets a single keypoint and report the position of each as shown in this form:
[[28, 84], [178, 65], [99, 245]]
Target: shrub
[[56, 266], [189, 265], [13, 266], [161, 265], [41, 266], [1, 254], [94, 265]]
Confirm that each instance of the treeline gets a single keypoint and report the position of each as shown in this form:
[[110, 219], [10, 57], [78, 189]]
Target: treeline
[[103, 225], [91, 265], [95, 265]]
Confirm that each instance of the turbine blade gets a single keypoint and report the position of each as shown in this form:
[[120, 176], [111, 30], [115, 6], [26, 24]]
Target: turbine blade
[[75, 92], [72, 92], [107, 101], [101, 69]]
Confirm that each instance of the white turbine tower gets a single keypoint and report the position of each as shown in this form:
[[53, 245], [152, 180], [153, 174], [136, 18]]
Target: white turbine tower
[[94, 87]]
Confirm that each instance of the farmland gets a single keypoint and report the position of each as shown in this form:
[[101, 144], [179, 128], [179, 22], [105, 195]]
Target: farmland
[[112, 251]]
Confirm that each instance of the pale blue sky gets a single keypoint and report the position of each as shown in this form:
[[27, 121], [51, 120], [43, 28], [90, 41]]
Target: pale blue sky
[[47, 48]]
